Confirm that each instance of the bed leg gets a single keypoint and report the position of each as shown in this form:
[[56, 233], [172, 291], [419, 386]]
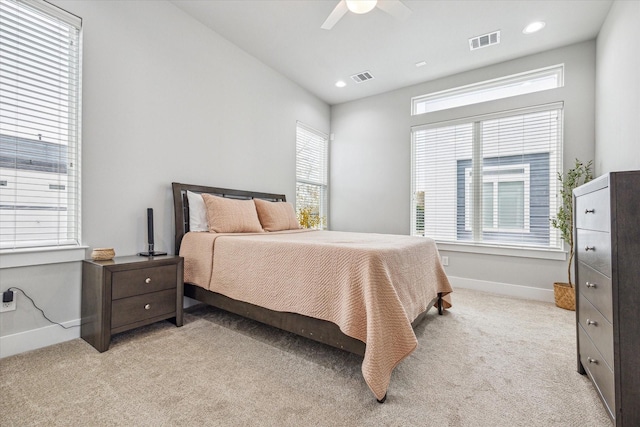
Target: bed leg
[[440, 304], [383, 399]]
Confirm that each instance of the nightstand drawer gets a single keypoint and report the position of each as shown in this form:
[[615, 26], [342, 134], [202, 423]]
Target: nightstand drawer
[[596, 287], [598, 328], [594, 249], [142, 307], [599, 372], [592, 210], [143, 280]]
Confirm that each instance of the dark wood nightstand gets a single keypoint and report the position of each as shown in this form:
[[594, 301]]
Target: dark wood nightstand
[[128, 292]]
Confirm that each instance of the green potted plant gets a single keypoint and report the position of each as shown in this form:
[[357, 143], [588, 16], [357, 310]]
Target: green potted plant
[[579, 174]]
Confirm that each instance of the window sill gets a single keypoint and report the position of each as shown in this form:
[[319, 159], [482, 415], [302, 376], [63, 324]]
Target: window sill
[[39, 256], [559, 255]]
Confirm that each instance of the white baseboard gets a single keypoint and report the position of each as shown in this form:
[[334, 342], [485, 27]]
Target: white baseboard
[[518, 291], [48, 335], [38, 338]]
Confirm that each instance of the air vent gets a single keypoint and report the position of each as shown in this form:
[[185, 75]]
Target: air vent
[[484, 40], [362, 77]]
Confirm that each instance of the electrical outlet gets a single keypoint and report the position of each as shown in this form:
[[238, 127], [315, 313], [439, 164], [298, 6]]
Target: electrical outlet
[[445, 260], [9, 306]]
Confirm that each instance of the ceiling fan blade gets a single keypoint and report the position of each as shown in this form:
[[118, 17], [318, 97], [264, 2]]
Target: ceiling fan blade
[[395, 8], [337, 13]]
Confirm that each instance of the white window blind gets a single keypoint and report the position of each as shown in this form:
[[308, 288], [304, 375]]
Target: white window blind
[[40, 48], [489, 180], [503, 87], [312, 158]]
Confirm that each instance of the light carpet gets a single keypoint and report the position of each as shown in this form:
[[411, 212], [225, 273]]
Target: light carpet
[[489, 361]]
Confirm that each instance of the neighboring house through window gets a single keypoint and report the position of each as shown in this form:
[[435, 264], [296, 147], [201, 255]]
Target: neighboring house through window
[[39, 125]]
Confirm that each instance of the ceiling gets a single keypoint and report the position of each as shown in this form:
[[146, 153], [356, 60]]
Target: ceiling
[[286, 35]]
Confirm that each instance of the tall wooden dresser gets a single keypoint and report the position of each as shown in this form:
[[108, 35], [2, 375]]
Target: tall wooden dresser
[[607, 242]]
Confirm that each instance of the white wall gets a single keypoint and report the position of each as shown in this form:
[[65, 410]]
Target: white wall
[[370, 163], [618, 90], [164, 99]]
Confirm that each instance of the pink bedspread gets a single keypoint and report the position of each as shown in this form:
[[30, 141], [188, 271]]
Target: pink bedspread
[[371, 285]]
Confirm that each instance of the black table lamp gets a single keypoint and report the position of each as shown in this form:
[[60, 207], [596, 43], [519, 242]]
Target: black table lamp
[[150, 252]]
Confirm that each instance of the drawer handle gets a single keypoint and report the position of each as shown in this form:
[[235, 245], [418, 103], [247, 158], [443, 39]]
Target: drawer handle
[[591, 322], [592, 360], [588, 211], [590, 248], [147, 280], [147, 306], [591, 285]]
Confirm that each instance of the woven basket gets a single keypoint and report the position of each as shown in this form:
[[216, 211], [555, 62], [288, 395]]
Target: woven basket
[[103, 254], [565, 296]]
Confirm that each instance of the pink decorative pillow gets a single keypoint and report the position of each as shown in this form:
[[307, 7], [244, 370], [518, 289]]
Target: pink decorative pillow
[[231, 216], [276, 216]]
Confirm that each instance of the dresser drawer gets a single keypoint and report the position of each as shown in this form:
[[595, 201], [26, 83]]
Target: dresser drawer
[[142, 307], [143, 280], [599, 372], [598, 328], [596, 287], [594, 249], [592, 210]]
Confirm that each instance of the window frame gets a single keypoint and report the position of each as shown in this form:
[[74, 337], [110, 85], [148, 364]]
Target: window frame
[[67, 245], [555, 251], [322, 184], [481, 90]]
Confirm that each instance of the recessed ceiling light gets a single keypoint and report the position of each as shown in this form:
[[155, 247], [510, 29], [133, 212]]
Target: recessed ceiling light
[[534, 27], [340, 83], [421, 64]]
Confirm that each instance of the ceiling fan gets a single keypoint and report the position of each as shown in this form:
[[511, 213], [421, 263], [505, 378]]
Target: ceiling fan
[[395, 8]]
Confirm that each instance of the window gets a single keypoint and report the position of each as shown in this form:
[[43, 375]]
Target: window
[[488, 180], [39, 125], [505, 198], [518, 84], [312, 149]]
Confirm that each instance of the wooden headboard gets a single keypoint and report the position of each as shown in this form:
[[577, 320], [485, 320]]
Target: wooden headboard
[[181, 203]]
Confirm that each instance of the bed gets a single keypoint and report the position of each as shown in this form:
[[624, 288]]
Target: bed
[[341, 289]]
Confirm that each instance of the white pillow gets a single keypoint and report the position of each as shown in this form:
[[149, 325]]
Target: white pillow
[[197, 212]]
